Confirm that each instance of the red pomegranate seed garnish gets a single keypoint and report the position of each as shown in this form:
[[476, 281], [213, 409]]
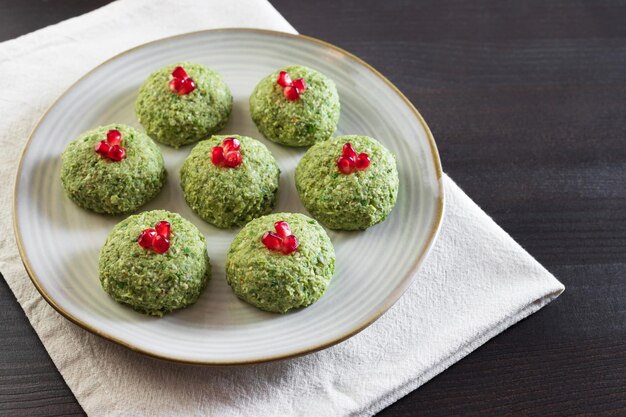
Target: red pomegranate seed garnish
[[290, 244], [102, 148], [231, 144], [227, 155], [272, 241], [114, 137], [179, 72], [362, 162], [291, 89], [283, 79], [116, 153], [186, 87], [157, 239], [160, 244], [282, 228], [299, 84], [111, 148], [146, 238], [348, 151], [349, 161], [175, 84], [163, 228], [281, 241], [181, 83], [232, 159], [344, 165], [291, 93], [217, 156]]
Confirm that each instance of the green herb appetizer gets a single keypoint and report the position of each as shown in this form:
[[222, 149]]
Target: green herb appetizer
[[155, 262], [348, 182], [112, 169], [280, 262], [230, 180], [183, 103], [295, 106]]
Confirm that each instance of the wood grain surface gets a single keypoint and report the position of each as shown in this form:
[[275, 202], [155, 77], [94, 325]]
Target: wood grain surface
[[527, 102]]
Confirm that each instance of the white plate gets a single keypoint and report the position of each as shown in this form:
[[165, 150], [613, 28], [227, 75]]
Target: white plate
[[59, 242]]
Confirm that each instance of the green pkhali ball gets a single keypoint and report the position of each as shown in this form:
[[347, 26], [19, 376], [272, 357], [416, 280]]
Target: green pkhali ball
[[273, 281], [225, 196], [354, 201], [150, 282], [178, 120], [103, 185], [312, 118]]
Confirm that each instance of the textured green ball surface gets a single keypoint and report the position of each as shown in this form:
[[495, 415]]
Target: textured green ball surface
[[276, 282], [310, 119], [150, 282], [347, 202], [228, 197], [114, 187], [179, 120]]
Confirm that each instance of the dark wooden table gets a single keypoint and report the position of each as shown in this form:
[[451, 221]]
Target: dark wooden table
[[527, 101]]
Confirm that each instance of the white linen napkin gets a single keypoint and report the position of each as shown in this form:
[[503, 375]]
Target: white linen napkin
[[476, 282]]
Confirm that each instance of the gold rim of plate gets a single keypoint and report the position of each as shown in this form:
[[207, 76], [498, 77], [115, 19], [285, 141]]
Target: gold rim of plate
[[391, 300]]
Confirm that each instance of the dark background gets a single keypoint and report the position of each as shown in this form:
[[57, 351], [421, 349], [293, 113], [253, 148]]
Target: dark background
[[527, 102]]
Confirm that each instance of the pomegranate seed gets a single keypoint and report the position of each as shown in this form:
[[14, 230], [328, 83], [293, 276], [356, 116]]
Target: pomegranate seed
[[111, 148], [291, 93], [281, 241], [175, 85], [114, 137], [290, 244], [282, 228], [181, 84], [291, 89], [349, 161], [160, 244], [228, 154], [217, 156], [163, 228], [271, 241], [102, 148], [299, 84], [362, 161], [348, 151], [231, 144], [156, 239], [116, 153], [344, 164], [187, 86], [146, 238], [179, 72], [284, 79], [232, 159]]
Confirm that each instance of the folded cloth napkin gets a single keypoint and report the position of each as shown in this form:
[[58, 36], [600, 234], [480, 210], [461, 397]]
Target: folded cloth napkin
[[476, 282]]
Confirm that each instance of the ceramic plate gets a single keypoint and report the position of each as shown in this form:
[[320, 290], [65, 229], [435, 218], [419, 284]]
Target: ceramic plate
[[59, 242]]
